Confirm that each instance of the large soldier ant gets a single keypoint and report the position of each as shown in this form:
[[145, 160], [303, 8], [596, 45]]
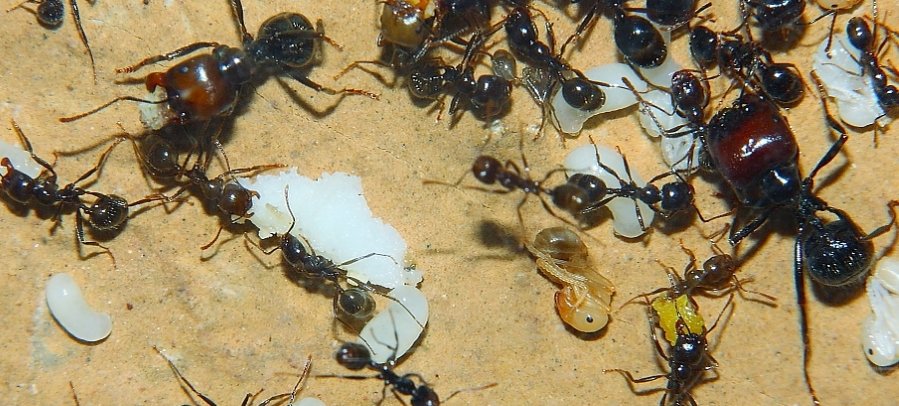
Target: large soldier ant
[[50, 14], [688, 358], [248, 399], [764, 175], [207, 86], [106, 213]]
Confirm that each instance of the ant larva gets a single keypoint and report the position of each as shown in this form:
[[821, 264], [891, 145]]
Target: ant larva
[[207, 86], [586, 296], [248, 399], [107, 213]]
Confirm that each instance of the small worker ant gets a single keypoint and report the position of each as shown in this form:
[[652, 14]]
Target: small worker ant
[[586, 296], [688, 358], [50, 13], [248, 399], [861, 37], [106, 213], [354, 302], [746, 61], [207, 86]]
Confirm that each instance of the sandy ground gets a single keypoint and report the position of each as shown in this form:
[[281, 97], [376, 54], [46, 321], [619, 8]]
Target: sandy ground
[[235, 324]]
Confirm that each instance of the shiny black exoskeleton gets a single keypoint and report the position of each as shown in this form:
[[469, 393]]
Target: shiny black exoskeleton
[[672, 13], [746, 61], [577, 91], [861, 38], [106, 213], [638, 40], [207, 86], [775, 14], [356, 356]]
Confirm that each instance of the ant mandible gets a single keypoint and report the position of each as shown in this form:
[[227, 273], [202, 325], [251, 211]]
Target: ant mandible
[[207, 86]]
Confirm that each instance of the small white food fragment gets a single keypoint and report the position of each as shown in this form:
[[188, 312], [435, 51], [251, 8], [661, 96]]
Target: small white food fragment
[[880, 331], [332, 214], [393, 331], [624, 215], [19, 159], [68, 307], [155, 115], [307, 402], [842, 77], [618, 96]]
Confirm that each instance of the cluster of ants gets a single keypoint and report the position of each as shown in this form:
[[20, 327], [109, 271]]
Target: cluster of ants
[[748, 144]]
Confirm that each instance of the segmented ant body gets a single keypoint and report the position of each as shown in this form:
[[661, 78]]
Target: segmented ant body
[[355, 356], [771, 15], [207, 86], [765, 177], [861, 37], [746, 61], [50, 14], [107, 213], [688, 359]]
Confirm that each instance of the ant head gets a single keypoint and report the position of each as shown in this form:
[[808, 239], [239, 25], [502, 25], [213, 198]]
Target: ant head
[[108, 212], [235, 199], [688, 95], [690, 347], [286, 40], [353, 356], [581, 94], [485, 169], [490, 95]]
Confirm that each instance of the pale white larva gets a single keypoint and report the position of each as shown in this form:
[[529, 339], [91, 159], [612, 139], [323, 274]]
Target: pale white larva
[[880, 331], [68, 307], [394, 330]]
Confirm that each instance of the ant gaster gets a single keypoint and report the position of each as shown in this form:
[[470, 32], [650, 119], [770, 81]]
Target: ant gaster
[[207, 86], [106, 213]]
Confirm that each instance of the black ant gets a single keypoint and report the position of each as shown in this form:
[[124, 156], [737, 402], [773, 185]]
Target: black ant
[[355, 302], [765, 177], [50, 13], [861, 37], [746, 61], [570, 196], [688, 358], [248, 399], [207, 86], [106, 213]]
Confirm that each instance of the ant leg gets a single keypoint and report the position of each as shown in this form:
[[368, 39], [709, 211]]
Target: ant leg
[[891, 206], [799, 280], [100, 162], [77, 17], [237, 8], [185, 50], [357, 65], [630, 378], [79, 234], [181, 378], [255, 244], [22, 6], [27, 144], [109, 103], [319, 88], [737, 235], [737, 283]]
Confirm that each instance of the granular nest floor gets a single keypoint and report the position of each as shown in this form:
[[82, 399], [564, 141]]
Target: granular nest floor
[[234, 323]]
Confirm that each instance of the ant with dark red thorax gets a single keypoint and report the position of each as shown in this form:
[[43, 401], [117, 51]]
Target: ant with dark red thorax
[[50, 14], [249, 398], [754, 150], [108, 213], [207, 86]]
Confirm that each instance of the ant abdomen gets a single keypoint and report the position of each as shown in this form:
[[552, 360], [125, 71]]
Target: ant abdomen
[[781, 83], [582, 95], [161, 159], [51, 13], [836, 254], [570, 198], [356, 303], [676, 196], [595, 188], [288, 39], [582, 314], [426, 80], [639, 41], [18, 186], [563, 245], [353, 356], [108, 212]]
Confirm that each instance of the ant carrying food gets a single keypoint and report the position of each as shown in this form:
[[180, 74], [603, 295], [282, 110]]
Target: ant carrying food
[[50, 13], [688, 359], [586, 296], [248, 399], [107, 213], [764, 176], [207, 86]]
